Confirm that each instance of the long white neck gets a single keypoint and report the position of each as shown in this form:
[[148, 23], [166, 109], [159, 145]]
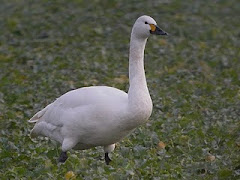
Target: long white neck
[[138, 93]]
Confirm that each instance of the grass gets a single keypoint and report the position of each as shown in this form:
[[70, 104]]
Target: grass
[[48, 48]]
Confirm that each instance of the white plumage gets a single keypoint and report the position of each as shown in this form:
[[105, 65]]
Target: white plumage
[[101, 115]]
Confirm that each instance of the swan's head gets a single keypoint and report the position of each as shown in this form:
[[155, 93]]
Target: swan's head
[[146, 25]]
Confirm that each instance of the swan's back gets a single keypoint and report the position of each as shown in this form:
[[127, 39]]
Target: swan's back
[[92, 95]]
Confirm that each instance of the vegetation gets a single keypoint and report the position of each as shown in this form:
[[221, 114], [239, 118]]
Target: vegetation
[[50, 47]]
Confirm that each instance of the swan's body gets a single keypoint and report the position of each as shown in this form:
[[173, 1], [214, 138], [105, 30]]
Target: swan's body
[[101, 115], [95, 114]]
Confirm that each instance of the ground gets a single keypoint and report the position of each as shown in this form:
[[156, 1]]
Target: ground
[[50, 47]]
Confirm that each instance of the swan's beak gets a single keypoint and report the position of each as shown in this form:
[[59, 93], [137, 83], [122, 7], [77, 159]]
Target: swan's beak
[[156, 30]]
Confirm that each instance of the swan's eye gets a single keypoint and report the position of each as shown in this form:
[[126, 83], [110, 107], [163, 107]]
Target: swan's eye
[[146, 22]]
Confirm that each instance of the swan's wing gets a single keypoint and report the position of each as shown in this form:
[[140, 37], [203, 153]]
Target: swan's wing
[[82, 97]]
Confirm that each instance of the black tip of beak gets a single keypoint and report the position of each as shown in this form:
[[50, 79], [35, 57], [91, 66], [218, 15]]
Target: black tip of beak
[[159, 31], [164, 33]]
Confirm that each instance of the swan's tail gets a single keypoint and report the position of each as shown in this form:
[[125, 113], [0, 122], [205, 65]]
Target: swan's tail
[[34, 119], [37, 129], [38, 115]]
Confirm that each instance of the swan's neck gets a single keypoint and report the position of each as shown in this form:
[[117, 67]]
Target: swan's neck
[[138, 94]]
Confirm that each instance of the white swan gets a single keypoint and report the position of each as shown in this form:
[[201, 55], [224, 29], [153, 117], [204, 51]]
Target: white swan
[[101, 115]]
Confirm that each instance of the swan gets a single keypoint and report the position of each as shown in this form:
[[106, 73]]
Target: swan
[[99, 115]]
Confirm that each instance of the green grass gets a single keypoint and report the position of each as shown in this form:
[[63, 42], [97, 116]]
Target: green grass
[[48, 48]]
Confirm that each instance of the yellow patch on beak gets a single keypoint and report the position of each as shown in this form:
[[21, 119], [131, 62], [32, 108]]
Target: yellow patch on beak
[[153, 27]]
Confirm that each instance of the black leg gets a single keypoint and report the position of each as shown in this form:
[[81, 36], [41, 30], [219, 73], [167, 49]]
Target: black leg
[[107, 159], [63, 157]]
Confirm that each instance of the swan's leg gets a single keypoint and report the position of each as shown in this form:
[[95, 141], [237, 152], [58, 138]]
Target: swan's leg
[[107, 159], [108, 149], [63, 157], [66, 145]]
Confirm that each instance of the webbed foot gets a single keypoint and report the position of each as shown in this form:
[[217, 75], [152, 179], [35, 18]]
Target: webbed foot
[[63, 157]]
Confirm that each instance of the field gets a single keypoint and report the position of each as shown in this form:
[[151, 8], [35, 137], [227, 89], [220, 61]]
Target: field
[[50, 47]]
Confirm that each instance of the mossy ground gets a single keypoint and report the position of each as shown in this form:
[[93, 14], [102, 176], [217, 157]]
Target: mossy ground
[[50, 47]]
